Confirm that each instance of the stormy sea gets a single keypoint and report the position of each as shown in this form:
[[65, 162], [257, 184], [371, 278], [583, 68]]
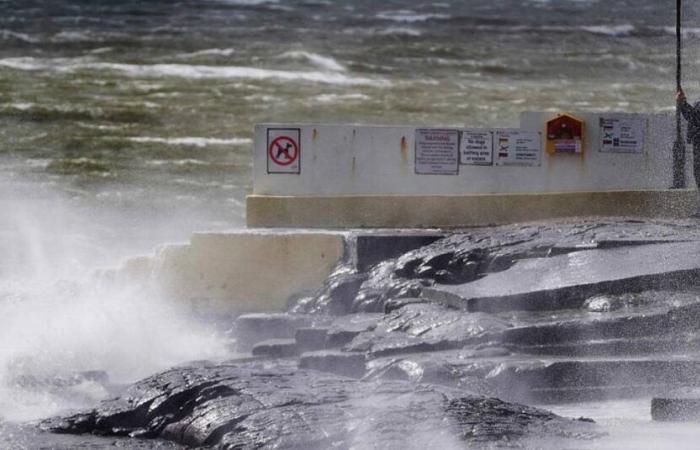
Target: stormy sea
[[128, 124]]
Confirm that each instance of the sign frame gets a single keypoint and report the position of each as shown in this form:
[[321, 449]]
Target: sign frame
[[606, 142], [416, 164], [463, 140], [294, 137], [507, 161]]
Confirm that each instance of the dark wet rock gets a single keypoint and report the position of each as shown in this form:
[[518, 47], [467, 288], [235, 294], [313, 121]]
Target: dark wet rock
[[603, 303], [253, 406], [347, 364], [682, 405], [548, 312], [27, 437], [345, 328], [658, 319], [516, 420], [336, 296], [276, 348], [249, 329], [423, 327], [309, 339], [374, 248], [566, 281], [576, 380]]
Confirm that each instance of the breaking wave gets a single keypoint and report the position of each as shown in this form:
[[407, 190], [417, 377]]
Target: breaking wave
[[408, 16], [188, 71], [319, 61], [611, 30], [192, 141]]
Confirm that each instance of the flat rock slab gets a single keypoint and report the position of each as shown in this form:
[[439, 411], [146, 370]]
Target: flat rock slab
[[263, 406], [423, 327], [566, 281], [676, 409], [276, 348]]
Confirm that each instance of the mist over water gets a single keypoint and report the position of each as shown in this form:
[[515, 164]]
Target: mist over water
[[126, 124]]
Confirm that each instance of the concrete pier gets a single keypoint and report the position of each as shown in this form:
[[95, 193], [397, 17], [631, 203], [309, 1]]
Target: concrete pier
[[344, 176], [347, 177]]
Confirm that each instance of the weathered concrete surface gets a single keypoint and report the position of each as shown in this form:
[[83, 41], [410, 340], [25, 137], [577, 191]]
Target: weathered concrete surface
[[566, 281], [240, 271], [276, 406], [459, 211]]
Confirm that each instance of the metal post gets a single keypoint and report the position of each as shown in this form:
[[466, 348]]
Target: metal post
[[679, 145]]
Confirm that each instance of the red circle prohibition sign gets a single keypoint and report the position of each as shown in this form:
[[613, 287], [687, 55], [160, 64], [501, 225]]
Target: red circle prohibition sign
[[283, 146]]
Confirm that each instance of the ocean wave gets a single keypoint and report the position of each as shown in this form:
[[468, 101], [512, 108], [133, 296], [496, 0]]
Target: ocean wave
[[7, 35], [191, 141], [319, 61], [401, 31], [68, 65], [334, 98], [247, 2], [626, 29], [208, 52], [408, 16], [686, 31]]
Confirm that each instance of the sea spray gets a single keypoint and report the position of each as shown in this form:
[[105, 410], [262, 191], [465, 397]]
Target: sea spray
[[69, 335]]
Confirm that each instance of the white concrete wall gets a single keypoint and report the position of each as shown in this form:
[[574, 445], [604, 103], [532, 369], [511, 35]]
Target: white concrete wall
[[238, 272], [363, 160]]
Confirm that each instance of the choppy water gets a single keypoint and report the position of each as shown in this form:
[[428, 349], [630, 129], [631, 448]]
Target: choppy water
[[124, 124], [153, 102]]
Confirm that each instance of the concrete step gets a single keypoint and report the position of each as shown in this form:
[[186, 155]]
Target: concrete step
[[276, 348]]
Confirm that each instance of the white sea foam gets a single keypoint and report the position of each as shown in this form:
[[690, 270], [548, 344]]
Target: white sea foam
[[192, 141], [400, 31], [70, 65], [208, 52], [319, 61], [334, 98], [611, 30], [9, 34], [248, 2], [408, 16]]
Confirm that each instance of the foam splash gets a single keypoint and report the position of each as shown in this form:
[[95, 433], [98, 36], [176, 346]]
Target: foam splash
[[68, 65], [60, 318]]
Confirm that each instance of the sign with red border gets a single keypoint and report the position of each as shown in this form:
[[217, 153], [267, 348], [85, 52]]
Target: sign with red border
[[284, 150]]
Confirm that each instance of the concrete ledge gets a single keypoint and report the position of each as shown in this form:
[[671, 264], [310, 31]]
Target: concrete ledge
[[455, 211], [238, 272]]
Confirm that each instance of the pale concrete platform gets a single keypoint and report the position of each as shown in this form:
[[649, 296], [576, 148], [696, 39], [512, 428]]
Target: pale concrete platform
[[456, 211], [239, 271]]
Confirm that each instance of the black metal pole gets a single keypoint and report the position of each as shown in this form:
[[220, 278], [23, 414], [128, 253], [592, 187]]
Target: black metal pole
[[679, 145]]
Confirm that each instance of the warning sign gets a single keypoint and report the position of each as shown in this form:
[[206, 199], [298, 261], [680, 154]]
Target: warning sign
[[517, 148], [476, 148], [437, 152], [283, 150], [622, 134]]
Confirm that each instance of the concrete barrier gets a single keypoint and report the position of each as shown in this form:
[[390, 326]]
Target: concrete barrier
[[368, 176], [238, 272], [458, 211]]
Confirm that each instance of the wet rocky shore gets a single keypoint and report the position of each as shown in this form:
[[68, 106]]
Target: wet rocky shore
[[442, 340]]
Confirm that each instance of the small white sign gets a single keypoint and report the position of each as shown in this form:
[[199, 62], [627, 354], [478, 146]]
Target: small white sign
[[622, 134], [284, 150], [437, 152], [517, 148], [476, 148]]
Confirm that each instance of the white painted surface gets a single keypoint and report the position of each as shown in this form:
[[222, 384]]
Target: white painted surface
[[364, 160], [240, 271]]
